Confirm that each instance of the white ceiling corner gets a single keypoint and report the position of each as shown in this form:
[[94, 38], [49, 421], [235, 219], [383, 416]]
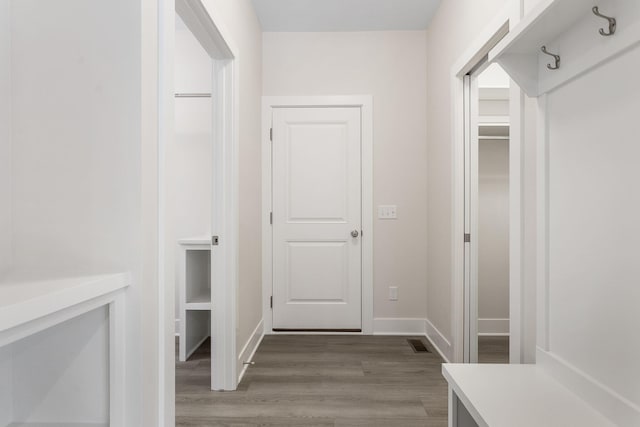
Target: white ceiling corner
[[344, 15]]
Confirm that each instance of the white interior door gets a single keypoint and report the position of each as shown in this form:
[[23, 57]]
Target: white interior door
[[317, 219]]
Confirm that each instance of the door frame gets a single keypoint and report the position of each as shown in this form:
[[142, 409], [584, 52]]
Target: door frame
[[207, 28], [463, 297], [365, 103]]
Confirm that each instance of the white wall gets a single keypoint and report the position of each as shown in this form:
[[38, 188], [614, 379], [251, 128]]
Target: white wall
[[76, 134], [239, 19], [6, 255], [391, 66], [189, 154], [493, 237], [461, 21], [594, 206]]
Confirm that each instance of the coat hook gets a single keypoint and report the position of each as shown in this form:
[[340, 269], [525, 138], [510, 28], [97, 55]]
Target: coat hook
[[555, 57], [612, 22]]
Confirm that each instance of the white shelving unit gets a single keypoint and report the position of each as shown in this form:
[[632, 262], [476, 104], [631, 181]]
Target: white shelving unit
[[587, 100], [569, 29], [194, 284]]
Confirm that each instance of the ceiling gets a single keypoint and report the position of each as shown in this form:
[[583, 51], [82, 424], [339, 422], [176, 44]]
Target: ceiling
[[344, 15]]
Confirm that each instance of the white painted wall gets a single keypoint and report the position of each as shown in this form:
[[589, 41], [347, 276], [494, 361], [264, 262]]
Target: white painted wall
[[241, 23], [391, 66], [6, 239], [75, 152], [461, 21], [189, 154], [594, 206], [76, 168], [493, 237], [493, 77]]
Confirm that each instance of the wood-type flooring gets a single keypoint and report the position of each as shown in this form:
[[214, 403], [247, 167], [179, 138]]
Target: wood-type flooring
[[320, 380]]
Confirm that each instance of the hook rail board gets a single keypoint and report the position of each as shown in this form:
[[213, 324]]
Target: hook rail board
[[572, 30]]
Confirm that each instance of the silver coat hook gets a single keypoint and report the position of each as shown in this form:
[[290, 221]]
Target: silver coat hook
[[612, 22], [555, 57]]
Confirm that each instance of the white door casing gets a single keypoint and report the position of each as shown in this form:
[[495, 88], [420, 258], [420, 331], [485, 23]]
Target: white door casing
[[317, 222]]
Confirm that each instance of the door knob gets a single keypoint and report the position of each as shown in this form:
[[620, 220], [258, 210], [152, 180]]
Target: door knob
[[355, 233]]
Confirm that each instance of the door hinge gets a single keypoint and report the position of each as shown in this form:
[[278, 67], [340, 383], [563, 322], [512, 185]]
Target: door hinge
[[271, 218], [271, 134], [214, 240], [467, 237], [271, 301]]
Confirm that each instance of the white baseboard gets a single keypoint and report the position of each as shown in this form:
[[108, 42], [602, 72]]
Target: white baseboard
[[612, 405], [398, 326], [249, 349], [493, 327], [438, 340]]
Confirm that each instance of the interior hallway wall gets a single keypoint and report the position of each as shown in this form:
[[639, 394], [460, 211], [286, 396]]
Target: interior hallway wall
[[240, 21], [6, 238], [493, 236], [452, 30], [391, 66]]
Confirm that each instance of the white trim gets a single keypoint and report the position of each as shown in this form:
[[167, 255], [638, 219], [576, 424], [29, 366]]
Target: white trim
[[438, 341], [365, 103], [224, 258], [603, 399], [398, 326], [117, 362], [481, 46], [249, 349], [542, 187], [493, 327], [206, 26]]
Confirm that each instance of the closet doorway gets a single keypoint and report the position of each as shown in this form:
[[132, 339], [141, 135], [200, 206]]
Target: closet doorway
[[487, 235], [493, 216], [198, 213], [486, 201]]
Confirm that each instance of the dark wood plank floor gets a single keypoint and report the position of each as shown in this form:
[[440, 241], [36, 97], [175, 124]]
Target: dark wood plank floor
[[319, 381]]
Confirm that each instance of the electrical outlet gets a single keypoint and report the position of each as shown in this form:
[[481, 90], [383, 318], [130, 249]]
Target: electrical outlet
[[393, 293], [387, 212]]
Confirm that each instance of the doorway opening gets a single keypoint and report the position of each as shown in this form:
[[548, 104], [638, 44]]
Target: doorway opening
[[317, 244], [492, 233], [486, 214], [198, 209], [487, 205]]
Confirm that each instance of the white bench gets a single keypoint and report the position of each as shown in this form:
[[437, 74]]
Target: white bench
[[513, 396]]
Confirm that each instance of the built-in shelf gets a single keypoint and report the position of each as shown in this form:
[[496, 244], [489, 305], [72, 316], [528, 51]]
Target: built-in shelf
[[194, 287], [569, 29]]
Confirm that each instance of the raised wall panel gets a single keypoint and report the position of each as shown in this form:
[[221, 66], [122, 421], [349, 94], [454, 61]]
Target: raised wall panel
[[61, 375], [594, 206]]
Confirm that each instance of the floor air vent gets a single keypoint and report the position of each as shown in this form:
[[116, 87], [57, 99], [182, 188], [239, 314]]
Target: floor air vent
[[418, 346]]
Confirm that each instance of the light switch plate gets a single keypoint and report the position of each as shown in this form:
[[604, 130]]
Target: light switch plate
[[387, 212], [393, 293]]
